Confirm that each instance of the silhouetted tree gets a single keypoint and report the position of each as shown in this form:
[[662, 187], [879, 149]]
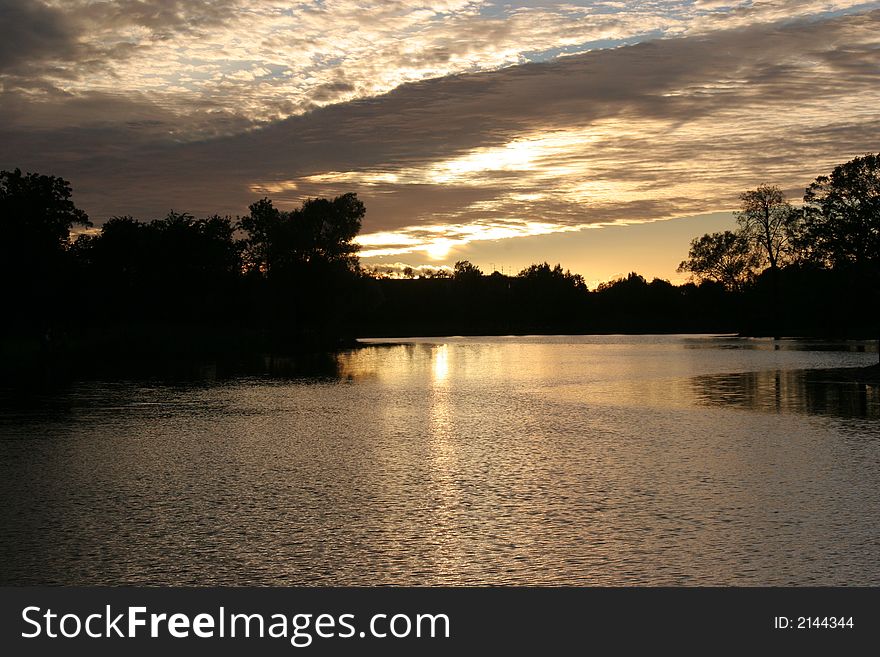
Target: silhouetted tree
[[842, 215], [37, 209], [121, 259], [470, 295], [551, 297], [543, 274], [769, 221], [178, 268], [308, 260], [295, 280], [36, 216], [198, 249], [726, 257], [326, 229], [320, 231], [633, 304], [265, 229], [465, 271]]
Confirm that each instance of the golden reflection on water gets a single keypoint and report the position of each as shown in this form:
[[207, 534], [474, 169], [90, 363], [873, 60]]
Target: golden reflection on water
[[440, 363], [554, 460], [442, 459], [441, 423], [440, 409], [422, 377]]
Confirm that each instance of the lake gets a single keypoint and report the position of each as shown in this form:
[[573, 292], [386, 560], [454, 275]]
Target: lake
[[579, 460]]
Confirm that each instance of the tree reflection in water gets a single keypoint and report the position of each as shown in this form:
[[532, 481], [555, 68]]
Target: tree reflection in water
[[816, 392]]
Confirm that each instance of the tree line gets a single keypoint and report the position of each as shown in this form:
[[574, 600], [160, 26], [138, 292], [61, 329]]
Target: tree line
[[267, 280], [275, 279], [837, 227], [796, 256]]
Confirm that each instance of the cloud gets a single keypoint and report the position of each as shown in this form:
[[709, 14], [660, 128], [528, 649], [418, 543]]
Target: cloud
[[263, 60], [640, 132], [31, 32], [404, 270]]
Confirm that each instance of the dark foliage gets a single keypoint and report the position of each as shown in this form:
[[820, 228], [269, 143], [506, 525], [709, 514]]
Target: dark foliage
[[290, 280], [36, 272]]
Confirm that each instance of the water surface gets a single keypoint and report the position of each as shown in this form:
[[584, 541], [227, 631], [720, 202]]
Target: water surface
[[581, 460]]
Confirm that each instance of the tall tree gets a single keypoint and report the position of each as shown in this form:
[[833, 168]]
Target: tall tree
[[842, 213], [322, 231], [264, 226], [725, 257], [36, 216], [38, 209], [305, 261], [769, 221], [466, 272], [326, 229]]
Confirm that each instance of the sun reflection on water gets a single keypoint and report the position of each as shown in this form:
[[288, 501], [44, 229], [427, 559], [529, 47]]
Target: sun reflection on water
[[440, 362]]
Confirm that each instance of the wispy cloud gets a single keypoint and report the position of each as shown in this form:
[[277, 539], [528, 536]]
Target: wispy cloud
[[261, 60], [433, 112]]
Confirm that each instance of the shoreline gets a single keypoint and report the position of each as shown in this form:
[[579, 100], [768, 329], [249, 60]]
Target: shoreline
[[225, 358]]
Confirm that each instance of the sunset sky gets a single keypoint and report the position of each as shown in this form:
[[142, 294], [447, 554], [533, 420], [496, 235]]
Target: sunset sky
[[602, 135]]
